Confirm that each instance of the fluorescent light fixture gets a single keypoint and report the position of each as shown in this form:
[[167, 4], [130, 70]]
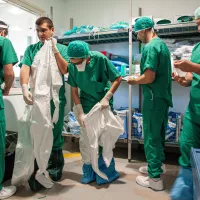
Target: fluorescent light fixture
[[15, 11], [1, 1]]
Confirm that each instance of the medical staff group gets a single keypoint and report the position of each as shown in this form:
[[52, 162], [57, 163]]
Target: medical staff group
[[94, 79]]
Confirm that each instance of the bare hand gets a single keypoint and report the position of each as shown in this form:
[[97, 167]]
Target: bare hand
[[131, 80], [181, 80], [183, 65], [5, 92]]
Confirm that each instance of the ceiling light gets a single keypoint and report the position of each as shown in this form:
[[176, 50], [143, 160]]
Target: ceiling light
[[1, 1], [15, 11]]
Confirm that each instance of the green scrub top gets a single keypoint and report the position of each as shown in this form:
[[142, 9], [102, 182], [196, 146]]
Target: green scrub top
[[193, 110], [7, 55], [30, 53], [156, 56], [94, 81]]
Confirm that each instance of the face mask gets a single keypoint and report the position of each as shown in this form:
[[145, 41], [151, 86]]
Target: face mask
[[81, 67]]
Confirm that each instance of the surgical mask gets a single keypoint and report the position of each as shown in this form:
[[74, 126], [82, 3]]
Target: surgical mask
[[81, 67]]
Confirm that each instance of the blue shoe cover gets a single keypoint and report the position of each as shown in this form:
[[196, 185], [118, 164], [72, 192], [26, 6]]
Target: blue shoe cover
[[88, 174], [110, 171], [183, 186]]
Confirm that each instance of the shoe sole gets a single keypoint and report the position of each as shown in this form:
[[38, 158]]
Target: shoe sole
[[88, 182], [9, 196], [149, 187], [147, 172], [114, 179]]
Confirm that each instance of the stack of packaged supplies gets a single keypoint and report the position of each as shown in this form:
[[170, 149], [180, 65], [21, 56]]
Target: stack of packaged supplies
[[123, 114], [173, 127], [94, 29]]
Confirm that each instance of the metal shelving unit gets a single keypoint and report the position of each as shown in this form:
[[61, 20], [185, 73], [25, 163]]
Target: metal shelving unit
[[112, 36], [182, 30], [168, 144], [66, 134], [175, 31]]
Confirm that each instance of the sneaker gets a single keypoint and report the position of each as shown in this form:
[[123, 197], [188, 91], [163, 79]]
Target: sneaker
[[7, 192], [153, 183], [144, 169]]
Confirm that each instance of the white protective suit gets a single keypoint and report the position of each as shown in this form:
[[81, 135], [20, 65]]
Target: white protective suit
[[45, 83], [24, 157], [102, 128]]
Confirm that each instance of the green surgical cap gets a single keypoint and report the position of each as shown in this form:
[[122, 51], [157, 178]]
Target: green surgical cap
[[78, 49], [143, 23], [197, 13]]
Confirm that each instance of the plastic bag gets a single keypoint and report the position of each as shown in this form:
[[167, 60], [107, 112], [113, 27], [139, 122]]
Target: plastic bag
[[71, 124], [24, 158]]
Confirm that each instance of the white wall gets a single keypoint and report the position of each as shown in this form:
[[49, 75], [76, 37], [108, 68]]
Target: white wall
[[105, 12], [59, 10]]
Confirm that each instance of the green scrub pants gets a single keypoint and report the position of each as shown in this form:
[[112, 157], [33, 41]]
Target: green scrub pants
[[155, 118], [56, 160], [190, 137], [2, 144]]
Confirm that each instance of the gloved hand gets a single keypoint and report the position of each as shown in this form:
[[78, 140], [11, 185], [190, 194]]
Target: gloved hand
[[28, 98], [54, 47], [105, 101], [81, 114]]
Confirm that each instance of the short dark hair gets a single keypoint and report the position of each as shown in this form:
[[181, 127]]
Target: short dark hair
[[43, 20], [4, 29]]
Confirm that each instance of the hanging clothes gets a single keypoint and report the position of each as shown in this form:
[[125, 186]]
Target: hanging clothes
[[45, 84]]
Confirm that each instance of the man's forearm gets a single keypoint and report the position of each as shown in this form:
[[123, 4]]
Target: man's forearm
[[195, 68], [8, 81], [142, 80], [75, 96], [8, 77], [62, 63], [24, 75], [115, 84]]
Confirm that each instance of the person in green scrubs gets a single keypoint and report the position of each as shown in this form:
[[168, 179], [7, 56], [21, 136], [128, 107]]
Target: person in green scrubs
[[8, 58], [45, 30], [92, 73], [156, 81], [190, 135]]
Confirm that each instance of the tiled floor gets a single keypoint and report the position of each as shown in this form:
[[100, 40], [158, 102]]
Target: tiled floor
[[125, 188]]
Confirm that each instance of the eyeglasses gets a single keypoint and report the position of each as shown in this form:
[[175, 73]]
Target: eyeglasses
[[77, 63], [43, 30]]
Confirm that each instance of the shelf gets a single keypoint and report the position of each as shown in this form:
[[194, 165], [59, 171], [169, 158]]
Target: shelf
[[113, 36], [182, 30], [122, 140], [168, 144], [66, 134]]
